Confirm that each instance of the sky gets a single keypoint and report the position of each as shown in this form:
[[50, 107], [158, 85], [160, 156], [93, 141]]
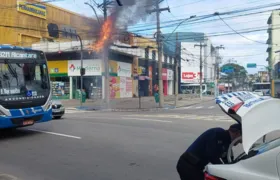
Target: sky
[[248, 49]]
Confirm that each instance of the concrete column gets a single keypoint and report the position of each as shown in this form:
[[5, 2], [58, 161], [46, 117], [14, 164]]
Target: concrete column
[[71, 87]]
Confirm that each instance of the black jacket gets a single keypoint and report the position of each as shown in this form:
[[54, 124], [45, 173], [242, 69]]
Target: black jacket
[[210, 146]]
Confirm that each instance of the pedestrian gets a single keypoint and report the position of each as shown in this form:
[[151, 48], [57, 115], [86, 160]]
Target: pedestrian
[[209, 147]]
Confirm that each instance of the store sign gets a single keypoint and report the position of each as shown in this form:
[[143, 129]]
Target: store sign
[[32, 9], [170, 75], [56, 67], [124, 69], [164, 74], [92, 66], [190, 77], [18, 55], [113, 67], [141, 70]]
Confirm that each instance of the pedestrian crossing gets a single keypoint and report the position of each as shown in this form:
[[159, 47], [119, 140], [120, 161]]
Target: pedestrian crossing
[[198, 107], [74, 111], [221, 118]]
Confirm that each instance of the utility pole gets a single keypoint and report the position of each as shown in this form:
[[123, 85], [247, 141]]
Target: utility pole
[[176, 69], [200, 67], [105, 61], [160, 49], [217, 71]]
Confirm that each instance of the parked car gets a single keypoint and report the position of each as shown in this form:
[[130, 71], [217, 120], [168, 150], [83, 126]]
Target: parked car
[[260, 161], [259, 92], [58, 109]]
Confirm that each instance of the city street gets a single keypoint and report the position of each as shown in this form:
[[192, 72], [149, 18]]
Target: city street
[[106, 145]]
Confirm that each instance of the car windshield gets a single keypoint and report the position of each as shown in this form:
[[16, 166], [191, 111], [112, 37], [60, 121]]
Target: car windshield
[[19, 79]]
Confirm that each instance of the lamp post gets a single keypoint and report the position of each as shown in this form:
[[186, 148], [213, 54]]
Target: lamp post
[[86, 3]]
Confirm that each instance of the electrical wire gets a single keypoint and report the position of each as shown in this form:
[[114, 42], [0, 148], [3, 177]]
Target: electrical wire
[[239, 33], [178, 20]]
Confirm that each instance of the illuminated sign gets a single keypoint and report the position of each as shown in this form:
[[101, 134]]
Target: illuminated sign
[[17, 55], [32, 9]]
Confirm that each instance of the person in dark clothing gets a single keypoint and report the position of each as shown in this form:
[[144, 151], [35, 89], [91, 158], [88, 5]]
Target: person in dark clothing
[[209, 147]]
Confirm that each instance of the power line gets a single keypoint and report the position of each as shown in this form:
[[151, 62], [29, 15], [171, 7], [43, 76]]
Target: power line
[[239, 33], [175, 20]]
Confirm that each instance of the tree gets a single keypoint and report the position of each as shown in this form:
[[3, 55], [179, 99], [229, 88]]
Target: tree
[[237, 76]]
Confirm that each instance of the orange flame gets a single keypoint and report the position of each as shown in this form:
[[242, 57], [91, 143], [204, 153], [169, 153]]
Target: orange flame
[[105, 35]]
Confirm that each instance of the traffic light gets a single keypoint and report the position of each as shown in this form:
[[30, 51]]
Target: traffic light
[[53, 30], [83, 71]]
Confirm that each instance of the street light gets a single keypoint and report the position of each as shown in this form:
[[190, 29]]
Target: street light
[[93, 11], [180, 25]]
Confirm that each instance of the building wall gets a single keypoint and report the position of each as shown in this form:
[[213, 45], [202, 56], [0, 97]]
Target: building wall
[[274, 37], [25, 29]]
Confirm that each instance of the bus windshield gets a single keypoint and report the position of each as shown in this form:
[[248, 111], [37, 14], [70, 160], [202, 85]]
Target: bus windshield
[[18, 79]]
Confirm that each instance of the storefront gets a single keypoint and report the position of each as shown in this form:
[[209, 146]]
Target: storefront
[[164, 81], [92, 80], [120, 79], [59, 79], [170, 79]]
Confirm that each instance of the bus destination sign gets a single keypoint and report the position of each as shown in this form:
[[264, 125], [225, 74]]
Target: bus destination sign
[[18, 55]]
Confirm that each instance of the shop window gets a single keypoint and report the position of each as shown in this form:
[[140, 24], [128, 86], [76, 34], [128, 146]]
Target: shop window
[[153, 55], [147, 53], [60, 87]]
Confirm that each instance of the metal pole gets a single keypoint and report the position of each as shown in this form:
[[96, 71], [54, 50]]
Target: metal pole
[[106, 65], [200, 70], [176, 70], [161, 100], [216, 73], [82, 63]]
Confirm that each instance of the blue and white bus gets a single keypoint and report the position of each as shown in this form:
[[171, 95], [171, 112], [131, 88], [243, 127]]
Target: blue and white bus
[[25, 91]]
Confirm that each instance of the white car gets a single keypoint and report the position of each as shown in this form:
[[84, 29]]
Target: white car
[[259, 92], [259, 116], [58, 109]]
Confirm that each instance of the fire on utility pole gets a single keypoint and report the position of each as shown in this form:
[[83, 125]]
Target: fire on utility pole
[[160, 49], [200, 68]]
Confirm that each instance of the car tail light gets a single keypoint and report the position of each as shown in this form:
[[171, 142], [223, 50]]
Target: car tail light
[[210, 177], [235, 108]]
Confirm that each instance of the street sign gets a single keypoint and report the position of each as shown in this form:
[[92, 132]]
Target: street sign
[[251, 65], [228, 70]]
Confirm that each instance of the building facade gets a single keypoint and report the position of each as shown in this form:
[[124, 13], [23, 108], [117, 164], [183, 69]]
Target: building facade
[[189, 60], [274, 46], [132, 72], [25, 22]]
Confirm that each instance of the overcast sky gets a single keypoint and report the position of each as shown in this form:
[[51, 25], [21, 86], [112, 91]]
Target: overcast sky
[[237, 47]]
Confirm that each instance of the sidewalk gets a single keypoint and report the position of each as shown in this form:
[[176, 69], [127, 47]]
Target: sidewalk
[[133, 104]]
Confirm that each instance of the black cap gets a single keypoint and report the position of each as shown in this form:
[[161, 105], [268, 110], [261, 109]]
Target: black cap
[[236, 127]]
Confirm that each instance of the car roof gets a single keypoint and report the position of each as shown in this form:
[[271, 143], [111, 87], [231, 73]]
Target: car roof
[[257, 114]]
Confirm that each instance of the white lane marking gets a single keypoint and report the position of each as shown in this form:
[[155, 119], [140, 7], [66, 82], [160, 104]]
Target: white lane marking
[[141, 119], [70, 111], [211, 107], [53, 133], [188, 107], [199, 107]]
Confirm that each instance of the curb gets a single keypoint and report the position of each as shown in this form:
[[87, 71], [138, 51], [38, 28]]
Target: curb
[[194, 103], [169, 107]]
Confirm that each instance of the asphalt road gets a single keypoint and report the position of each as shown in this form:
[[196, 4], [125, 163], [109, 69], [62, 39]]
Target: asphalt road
[[106, 145]]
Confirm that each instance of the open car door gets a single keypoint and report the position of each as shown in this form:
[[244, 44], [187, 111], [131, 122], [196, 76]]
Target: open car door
[[257, 114]]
